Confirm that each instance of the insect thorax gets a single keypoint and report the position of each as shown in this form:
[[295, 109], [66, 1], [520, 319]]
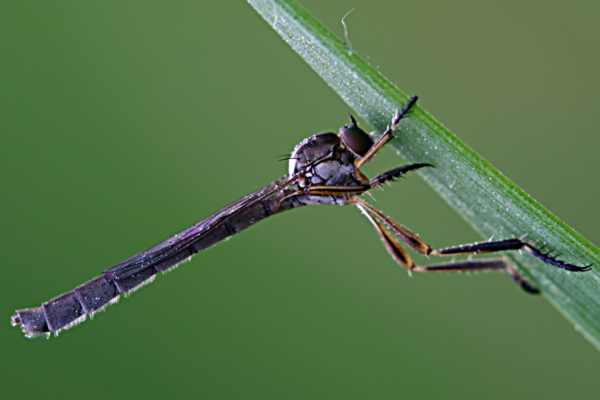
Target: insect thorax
[[336, 167]]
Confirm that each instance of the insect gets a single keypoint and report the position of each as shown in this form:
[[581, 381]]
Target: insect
[[323, 169]]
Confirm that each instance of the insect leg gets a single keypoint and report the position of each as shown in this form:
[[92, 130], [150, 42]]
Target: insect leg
[[402, 232], [328, 190], [388, 134], [393, 174], [508, 245], [474, 248], [492, 264], [403, 259], [389, 241]]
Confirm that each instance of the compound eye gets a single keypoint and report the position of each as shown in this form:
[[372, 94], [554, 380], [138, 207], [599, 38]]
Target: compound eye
[[354, 138]]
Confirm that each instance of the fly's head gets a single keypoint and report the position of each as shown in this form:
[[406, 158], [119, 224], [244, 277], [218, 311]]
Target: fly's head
[[328, 159], [355, 139]]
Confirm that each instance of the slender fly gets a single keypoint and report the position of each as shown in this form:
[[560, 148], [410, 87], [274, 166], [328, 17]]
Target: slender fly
[[324, 168]]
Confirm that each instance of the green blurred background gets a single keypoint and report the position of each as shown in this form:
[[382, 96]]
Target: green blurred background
[[125, 121]]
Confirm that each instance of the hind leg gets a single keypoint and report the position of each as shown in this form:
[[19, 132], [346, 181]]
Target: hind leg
[[388, 231]]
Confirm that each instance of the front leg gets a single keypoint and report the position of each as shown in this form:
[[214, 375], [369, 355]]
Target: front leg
[[388, 134]]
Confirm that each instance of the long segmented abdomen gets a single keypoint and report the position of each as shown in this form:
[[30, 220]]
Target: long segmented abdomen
[[74, 307]]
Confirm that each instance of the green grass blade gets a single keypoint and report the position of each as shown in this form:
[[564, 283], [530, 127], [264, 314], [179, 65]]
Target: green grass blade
[[486, 199]]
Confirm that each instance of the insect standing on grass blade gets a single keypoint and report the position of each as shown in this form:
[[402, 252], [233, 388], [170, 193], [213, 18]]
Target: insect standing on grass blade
[[323, 169]]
